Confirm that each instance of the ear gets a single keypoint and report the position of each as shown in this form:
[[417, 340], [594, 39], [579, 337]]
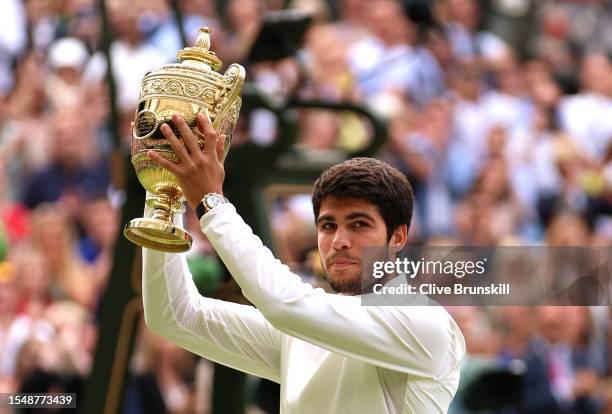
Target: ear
[[399, 237]]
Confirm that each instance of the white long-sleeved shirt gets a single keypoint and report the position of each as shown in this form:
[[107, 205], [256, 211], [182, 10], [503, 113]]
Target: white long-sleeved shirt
[[329, 353]]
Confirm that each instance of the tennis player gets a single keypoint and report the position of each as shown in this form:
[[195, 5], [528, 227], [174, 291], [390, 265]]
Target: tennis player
[[329, 353]]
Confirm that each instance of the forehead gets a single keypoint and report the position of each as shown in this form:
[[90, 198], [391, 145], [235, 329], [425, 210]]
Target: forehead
[[340, 207]]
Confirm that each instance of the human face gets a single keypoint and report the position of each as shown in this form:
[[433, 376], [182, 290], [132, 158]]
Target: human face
[[345, 226]]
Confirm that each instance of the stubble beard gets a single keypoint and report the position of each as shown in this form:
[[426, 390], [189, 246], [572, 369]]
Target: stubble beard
[[359, 283], [348, 286]]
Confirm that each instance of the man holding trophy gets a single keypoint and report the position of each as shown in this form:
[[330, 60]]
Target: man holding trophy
[[329, 353]]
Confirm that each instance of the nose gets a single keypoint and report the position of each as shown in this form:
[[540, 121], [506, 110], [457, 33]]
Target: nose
[[341, 240]]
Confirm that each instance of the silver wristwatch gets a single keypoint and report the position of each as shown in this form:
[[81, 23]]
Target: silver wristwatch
[[210, 201]]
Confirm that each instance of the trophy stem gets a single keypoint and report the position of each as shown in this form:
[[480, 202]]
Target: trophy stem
[[159, 232], [163, 209], [162, 214], [166, 204]]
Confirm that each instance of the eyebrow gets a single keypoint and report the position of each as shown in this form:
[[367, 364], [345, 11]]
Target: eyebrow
[[325, 218], [351, 216], [359, 214]]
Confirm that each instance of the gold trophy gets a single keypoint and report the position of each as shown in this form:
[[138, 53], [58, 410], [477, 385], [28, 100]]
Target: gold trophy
[[188, 87]]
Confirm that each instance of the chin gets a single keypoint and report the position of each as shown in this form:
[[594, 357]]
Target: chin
[[344, 283]]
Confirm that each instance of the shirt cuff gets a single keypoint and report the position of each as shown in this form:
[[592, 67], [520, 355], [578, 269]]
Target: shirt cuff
[[208, 218]]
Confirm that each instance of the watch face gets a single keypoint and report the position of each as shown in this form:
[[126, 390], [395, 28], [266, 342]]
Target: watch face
[[213, 201]]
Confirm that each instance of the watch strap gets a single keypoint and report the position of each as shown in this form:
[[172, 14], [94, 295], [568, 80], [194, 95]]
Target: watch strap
[[202, 208]]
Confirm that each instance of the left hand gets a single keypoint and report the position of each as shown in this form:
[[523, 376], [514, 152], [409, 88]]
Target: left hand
[[199, 172]]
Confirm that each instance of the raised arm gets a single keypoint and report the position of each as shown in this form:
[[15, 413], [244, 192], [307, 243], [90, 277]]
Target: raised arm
[[421, 341], [228, 333]]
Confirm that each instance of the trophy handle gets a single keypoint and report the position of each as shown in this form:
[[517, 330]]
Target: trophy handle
[[234, 79]]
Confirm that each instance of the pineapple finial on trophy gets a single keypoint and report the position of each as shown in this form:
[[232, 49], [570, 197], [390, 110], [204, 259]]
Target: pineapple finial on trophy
[[201, 51], [203, 40]]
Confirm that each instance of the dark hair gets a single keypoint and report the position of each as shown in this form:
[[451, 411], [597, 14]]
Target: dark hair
[[371, 180]]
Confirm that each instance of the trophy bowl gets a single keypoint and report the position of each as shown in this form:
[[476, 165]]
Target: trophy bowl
[[189, 87]]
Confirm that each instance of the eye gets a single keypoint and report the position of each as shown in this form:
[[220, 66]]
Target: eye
[[360, 224], [327, 226]]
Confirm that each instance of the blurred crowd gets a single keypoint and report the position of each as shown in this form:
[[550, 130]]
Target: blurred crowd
[[499, 113]]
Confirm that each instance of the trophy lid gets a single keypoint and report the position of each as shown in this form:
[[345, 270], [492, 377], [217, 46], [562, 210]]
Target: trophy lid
[[201, 51]]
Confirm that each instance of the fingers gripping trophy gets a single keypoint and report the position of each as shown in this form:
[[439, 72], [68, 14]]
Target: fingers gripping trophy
[[189, 87]]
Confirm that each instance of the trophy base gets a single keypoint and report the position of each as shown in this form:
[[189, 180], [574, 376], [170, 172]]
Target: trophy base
[[157, 235]]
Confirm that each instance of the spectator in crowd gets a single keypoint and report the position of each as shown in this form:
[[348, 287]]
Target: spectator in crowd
[[53, 233], [244, 19], [558, 379], [34, 281], [386, 59], [76, 168], [467, 40], [67, 58], [587, 116], [132, 55], [26, 145], [59, 356]]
